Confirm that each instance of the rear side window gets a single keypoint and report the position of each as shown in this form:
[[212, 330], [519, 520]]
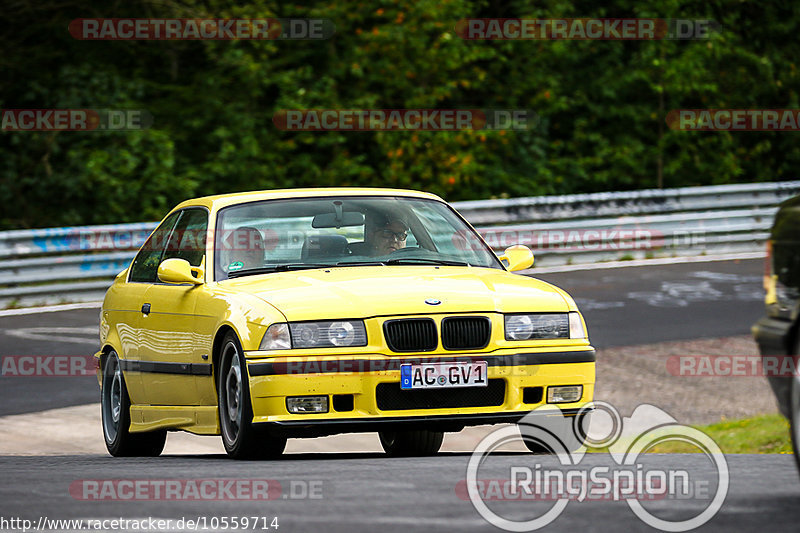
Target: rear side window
[[188, 239], [145, 265]]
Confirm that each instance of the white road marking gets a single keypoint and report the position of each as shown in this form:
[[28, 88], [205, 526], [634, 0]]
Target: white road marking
[[643, 262], [49, 309], [79, 335]]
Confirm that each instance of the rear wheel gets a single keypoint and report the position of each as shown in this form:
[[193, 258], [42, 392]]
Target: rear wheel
[[241, 439], [116, 414], [415, 443]]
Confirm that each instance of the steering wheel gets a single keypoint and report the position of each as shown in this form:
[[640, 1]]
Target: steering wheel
[[400, 252]]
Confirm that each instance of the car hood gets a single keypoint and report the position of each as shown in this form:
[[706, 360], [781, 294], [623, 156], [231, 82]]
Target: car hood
[[360, 292]]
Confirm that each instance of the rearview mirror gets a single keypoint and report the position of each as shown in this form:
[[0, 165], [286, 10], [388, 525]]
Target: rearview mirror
[[517, 257], [179, 271], [331, 220]]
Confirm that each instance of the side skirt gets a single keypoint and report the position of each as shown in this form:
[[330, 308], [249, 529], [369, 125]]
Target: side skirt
[[201, 420]]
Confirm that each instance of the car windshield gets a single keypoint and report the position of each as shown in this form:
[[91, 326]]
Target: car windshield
[[294, 234]]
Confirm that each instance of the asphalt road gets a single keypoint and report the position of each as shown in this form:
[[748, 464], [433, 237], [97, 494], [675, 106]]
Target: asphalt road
[[642, 305], [622, 306], [369, 492]]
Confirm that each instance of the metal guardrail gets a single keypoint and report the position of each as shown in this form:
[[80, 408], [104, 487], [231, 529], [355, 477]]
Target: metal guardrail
[[52, 265]]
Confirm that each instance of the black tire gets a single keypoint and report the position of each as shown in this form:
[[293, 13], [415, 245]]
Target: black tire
[[241, 439], [416, 443], [569, 438], [794, 406], [536, 448], [115, 408]]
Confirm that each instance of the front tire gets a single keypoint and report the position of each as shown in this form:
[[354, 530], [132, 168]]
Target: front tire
[[569, 437], [115, 407], [416, 443], [240, 438]]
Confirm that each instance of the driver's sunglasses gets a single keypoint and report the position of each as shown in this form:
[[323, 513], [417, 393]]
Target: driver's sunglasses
[[389, 234]]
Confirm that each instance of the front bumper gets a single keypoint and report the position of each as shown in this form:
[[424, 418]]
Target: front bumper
[[375, 402], [447, 423], [774, 337]]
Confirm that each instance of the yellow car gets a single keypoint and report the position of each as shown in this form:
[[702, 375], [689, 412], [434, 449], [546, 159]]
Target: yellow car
[[269, 315]]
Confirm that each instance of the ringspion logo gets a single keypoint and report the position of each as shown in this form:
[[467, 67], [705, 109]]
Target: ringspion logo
[[625, 29], [634, 477]]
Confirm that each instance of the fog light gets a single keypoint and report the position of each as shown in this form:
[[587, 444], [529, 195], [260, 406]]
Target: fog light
[[307, 404], [567, 394]]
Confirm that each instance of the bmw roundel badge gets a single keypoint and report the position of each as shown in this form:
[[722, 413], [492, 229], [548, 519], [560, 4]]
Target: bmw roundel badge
[[433, 301]]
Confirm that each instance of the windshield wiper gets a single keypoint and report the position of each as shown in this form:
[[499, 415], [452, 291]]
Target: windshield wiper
[[424, 261], [361, 263], [277, 268], [306, 266]]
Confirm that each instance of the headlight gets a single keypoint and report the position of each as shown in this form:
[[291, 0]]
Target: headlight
[[537, 326], [276, 338], [327, 334]]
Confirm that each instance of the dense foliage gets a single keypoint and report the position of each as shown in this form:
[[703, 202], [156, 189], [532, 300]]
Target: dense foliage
[[602, 104]]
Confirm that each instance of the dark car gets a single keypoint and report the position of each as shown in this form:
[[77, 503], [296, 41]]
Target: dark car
[[777, 333]]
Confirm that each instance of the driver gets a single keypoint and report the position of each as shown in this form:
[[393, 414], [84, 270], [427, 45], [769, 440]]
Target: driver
[[245, 248], [385, 235]]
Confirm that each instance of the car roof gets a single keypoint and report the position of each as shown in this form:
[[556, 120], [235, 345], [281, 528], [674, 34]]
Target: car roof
[[219, 201]]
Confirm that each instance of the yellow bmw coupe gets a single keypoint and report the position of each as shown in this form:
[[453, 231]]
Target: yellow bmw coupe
[[269, 315]]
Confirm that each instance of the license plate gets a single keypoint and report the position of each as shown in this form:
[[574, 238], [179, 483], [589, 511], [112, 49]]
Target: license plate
[[443, 375]]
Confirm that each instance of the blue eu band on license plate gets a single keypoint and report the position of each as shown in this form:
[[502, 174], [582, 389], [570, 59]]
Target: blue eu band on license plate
[[443, 375]]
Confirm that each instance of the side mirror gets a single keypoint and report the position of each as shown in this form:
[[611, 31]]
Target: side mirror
[[517, 257], [179, 271]]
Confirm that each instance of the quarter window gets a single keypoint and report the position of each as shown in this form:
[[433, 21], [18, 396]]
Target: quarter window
[[188, 239], [145, 265]]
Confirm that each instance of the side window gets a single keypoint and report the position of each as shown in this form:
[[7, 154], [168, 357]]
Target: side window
[[188, 240], [145, 265]]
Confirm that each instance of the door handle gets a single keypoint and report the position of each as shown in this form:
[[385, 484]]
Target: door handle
[[146, 309]]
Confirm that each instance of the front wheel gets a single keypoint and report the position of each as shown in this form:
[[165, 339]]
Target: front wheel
[[557, 436], [240, 438], [116, 415], [415, 443]]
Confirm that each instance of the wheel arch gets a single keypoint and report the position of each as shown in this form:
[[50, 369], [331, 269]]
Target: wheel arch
[[216, 349], [101, 363]]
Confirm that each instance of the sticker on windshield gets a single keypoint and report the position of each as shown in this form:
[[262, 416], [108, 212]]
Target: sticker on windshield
[[236, 265]]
